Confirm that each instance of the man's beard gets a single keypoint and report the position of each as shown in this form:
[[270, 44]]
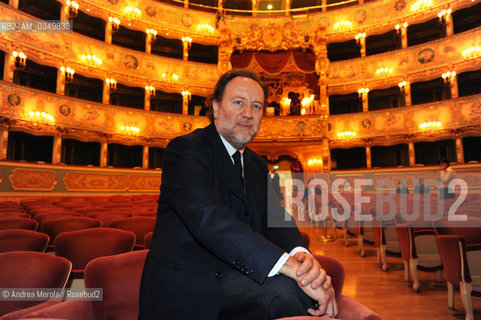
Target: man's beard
[[236, 142]]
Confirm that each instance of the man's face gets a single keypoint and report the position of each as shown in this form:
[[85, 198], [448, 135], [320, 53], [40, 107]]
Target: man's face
[[238, 115]]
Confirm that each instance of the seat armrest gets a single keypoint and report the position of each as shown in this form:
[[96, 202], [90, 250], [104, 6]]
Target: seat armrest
[[72, 310]]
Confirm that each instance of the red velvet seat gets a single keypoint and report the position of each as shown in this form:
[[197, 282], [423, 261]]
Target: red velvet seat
[[107, 217], [120, 298], [54, 215], [28, 269], [18, 223], [22, 240], [138, 225], [148, 240], [54, 227], [82, 246]]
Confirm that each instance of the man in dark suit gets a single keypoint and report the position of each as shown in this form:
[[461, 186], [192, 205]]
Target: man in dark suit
[[213, 255]]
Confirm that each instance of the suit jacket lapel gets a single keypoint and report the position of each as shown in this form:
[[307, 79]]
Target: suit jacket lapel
[[224, 163]]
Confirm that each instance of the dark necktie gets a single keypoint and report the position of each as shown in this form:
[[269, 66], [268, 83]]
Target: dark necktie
[[238, 166]]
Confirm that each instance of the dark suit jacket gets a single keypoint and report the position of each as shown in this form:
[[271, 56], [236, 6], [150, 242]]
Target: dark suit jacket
[[207, 226]]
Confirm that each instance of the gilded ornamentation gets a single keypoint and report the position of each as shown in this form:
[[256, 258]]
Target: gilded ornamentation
[[150, 11], [323, 22], [13, 100], [187, 20], [366, 123], [399, 5], [144, 182], [86, 181], [360, 16], [187, 126], [33, 180], [64, 110], [426, 55], [131, 62]]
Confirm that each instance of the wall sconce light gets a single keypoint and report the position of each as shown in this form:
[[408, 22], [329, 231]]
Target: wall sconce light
[[346, 134], [314, 162], [187, 41], [186, 93], [399, 26], [362, 91], [342, 25], [38, 116], [448, 77], [152, 33], [68, 73], [306, 102], [115, 24], [360, 36], [443, 15], [129, 129], [20, 60], [384, 71], [202, 27], [172, 77], [150, 90], [430, 125], [72, 8], [90, 59], [421, 5], [402, 85], [112, 83], [472, 52], [132, 12]]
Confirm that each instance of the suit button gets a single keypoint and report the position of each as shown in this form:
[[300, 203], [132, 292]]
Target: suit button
[[219, 275]]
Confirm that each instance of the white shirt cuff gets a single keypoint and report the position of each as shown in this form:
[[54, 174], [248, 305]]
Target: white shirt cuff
[[283, 259]]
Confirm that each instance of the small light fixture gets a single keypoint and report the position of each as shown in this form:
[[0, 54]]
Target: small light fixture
[[68, 73], [72, 8], [421, 5], [448, 76], [401, 26], [20, 58], [132, 12], [269, 6], [286, 101], [129, 129], [442, 15], [115, 24], [175, 77], [384, 71], [342, 25], [362, 91], [402, 85], [208, 27], [40, 116], [346, 134], [152, 33], [150, 90], [112, 83], [186, 93], [472, 52], [91, 59], [187, 41], [359, 37], [430, 125], [314, 162], [307, 101]]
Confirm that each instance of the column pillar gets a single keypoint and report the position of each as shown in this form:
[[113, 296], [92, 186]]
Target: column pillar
[[365, 101], [453, 84], [362, 40], [254, 5], [326, 155], [220, 5], [148, 43], [226, 48], [63, 12], [368, 157], [145, 157], [407, 93], [404, 36], [103, 153], [324, 5], [8, 67], [412, 156], [57, 149], [147, 98], [459, 150], [108, 32], [449, 25], [288, 7], [3, 143], [105, 92], [185, 102], [60, 82], [186, 4], [13, 3], [186, 41]]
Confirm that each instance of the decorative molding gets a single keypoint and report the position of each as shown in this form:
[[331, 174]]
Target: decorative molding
[[87, 181], [33, 180]]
